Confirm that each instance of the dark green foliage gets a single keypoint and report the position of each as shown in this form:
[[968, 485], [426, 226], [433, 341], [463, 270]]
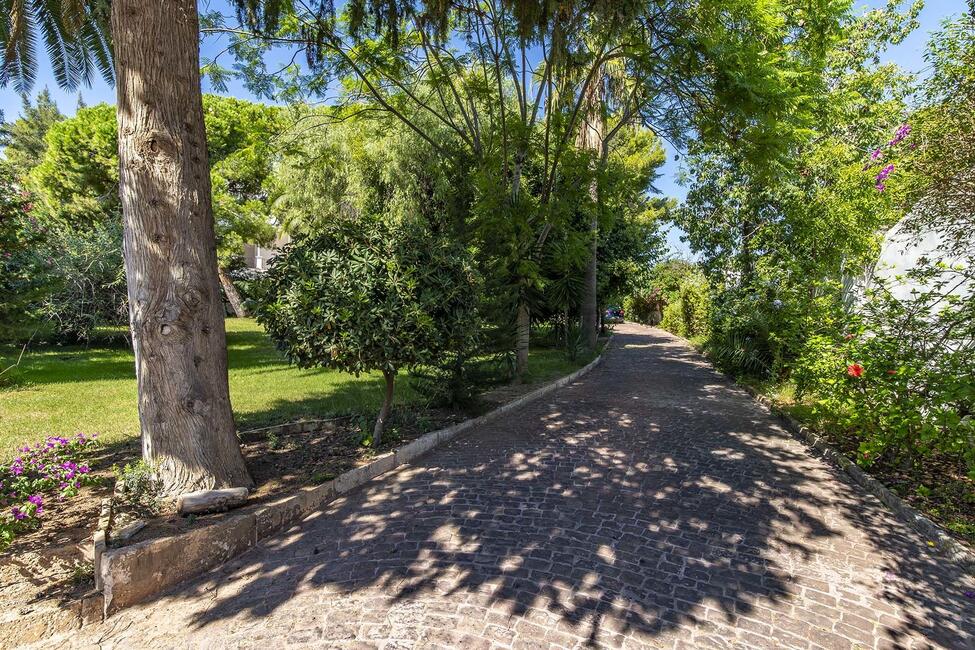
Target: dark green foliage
[[86, 270], [368, 295], [23, 140], [23, 271]]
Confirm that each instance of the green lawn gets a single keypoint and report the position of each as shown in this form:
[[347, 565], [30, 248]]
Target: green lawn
[[64, 390]]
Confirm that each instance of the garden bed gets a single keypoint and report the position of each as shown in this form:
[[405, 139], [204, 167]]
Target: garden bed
[[53, 564], [935, 485]]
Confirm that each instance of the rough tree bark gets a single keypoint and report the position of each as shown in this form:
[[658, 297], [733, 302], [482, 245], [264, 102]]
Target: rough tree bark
[[377, 431], [590, 138], [175, 310], [229, 290], [523, 319], [523, 334]]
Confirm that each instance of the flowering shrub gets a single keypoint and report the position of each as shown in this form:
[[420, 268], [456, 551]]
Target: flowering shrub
[[47, 470], [24, 277], [900, 378]]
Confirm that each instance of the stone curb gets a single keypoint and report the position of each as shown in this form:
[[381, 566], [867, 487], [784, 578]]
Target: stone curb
[[134, 573], [944, 543], [289, 428]]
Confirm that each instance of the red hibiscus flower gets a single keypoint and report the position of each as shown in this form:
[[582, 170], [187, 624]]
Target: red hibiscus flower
[[854, 370]]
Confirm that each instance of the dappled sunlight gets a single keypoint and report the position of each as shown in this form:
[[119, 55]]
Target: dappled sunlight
[[604, 523]]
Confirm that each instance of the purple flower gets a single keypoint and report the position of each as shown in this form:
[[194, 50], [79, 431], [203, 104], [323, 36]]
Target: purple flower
[[970, 594], [885, 172], [877, 154], [36, 499], [18, 513], [901, 133]]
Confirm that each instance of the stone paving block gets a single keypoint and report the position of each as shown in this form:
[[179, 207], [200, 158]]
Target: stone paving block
[[650, 504]]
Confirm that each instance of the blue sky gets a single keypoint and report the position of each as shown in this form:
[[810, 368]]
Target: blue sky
[[909, 55]]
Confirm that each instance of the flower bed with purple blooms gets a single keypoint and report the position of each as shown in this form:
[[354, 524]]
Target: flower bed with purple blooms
[[49, 470]]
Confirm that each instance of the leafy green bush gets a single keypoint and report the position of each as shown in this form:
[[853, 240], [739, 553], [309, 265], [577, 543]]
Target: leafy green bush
[[369, 295], [88, 279], [688, 314], [645, 307], [900, 379], [23, 271], [136, 483]]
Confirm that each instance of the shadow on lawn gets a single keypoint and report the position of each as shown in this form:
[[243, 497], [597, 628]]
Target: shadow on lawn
[[612, 510], [246, 350]]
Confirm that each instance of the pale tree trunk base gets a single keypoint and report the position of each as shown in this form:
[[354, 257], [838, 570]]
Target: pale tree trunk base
[[590, 309], [229, 290], [377, 431]]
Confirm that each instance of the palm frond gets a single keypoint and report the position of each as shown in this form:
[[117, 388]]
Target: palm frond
[[75, 34]]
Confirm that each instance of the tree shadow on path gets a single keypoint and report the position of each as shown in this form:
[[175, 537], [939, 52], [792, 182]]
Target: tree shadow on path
[[648, 502]]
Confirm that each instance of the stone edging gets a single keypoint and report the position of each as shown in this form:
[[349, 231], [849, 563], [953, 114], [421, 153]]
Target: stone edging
[[131, 574], [943, 542]]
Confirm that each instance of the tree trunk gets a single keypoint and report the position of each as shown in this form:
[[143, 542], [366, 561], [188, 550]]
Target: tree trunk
[[590, 310], [523, 334], [175, 310], [377, 431], [229, 290], [591, 138]]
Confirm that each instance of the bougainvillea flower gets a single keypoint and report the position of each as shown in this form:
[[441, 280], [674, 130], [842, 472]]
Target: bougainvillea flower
[[901, 133], [854, 370]]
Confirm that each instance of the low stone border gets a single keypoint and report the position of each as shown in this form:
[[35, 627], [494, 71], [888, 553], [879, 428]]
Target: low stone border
[[943, 541], [131, 574], [298, 426]]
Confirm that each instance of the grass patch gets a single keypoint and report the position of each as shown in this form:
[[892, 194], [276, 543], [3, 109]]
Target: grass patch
[[68, 389]]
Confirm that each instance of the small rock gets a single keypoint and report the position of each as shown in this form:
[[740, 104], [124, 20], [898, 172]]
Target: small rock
[[129, 530]]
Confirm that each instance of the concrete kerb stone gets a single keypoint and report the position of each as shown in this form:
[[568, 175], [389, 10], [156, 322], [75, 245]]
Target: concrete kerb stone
[[943, 542], [131, 574]]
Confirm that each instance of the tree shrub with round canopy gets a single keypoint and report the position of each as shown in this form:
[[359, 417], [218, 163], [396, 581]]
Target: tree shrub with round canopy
[[365, 295]]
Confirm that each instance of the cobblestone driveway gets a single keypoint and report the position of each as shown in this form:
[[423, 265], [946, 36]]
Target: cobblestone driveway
[[650, 504]]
